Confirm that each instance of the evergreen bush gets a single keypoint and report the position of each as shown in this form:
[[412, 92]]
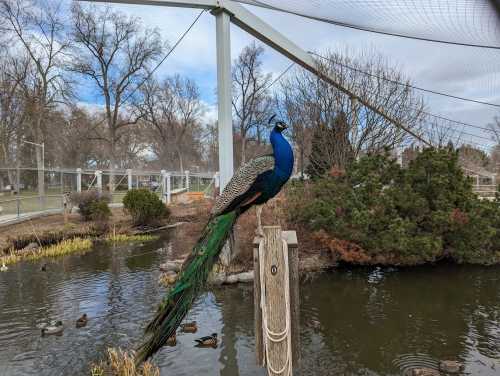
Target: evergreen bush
[[391, 215], [144, 207], [92, 205]]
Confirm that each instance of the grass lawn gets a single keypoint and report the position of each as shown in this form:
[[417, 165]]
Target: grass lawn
[[30, 202]]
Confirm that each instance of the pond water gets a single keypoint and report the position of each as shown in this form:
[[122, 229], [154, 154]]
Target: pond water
[[367, 321]]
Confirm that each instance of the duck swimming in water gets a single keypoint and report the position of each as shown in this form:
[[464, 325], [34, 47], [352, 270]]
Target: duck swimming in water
[[172, 341], [53, 329], [3, 268], [82, 321], [208, 341], [189, 327]]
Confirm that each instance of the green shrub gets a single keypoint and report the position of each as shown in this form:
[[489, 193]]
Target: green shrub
[[144, 207], [420, 214], [99, 211], [92, 205]]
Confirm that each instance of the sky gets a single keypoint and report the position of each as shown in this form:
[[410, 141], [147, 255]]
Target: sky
[[462, 71]]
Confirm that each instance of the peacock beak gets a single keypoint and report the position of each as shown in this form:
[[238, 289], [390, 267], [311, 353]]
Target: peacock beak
[[282, 125]]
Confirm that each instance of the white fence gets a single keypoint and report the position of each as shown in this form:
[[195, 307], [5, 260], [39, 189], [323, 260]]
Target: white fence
[[23, 195]]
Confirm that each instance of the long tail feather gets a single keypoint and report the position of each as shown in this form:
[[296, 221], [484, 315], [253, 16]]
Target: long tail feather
[[192, 279]]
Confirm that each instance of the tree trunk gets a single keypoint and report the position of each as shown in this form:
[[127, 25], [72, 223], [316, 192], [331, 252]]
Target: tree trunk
[[302, 161], [243, 149], [179, 155], [112, 159]]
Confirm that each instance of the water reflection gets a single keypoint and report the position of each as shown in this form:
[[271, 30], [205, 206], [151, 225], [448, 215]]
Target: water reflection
[[372, 321], [432, 310]]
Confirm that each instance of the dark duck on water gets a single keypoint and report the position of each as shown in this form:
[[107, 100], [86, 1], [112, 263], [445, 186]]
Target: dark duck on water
[[82, 321], [255, 183], [208, 341]]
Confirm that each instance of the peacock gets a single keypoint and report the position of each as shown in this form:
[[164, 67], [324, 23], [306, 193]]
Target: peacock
[[256, 182]]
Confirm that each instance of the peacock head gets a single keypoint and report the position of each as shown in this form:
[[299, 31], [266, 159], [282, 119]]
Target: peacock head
[[279, 125]]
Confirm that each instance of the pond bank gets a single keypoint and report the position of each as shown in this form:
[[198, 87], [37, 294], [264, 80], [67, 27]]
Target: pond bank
[[187, 222], [52, 236]]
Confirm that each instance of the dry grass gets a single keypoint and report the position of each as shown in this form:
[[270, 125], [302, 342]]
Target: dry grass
[[121, 238], [167, 279], [122, 363], [61, 249]]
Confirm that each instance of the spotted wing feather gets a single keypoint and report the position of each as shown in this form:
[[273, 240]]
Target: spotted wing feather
[[241, 181]]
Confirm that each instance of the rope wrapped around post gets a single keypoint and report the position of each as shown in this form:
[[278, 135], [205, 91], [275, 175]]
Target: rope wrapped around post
[[276, 300]]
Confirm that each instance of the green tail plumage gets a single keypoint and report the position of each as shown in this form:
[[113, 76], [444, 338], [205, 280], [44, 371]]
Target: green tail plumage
[[190, 283]]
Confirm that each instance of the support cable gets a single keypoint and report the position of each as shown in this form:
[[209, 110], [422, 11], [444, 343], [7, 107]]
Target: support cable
[[403, 84], [176, 44]]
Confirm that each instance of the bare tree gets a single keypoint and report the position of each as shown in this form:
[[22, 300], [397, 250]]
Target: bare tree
[[211, 145], [115, 52], [251, 100], [440, 134], [13, 72], [348, 128], [189, 110], [173, 109], [495, 128], [41, 32]]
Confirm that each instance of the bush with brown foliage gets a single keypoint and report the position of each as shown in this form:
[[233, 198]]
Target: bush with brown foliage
[[93, 205]]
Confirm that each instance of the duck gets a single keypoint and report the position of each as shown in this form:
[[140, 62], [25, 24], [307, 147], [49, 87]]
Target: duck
[[53, 329], [208, 341], [189, 327], [4, 267], [172, 340], [43, 268], [82, 321]]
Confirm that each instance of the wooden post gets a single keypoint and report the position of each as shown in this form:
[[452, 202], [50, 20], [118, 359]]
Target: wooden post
[[274, 267], [259, 346]]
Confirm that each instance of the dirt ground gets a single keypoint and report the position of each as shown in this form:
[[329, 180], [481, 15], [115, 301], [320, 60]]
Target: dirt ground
[[193, 217], [313, 256]]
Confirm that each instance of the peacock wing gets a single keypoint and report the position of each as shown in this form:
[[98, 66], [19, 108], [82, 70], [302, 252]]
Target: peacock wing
[[241, 181]]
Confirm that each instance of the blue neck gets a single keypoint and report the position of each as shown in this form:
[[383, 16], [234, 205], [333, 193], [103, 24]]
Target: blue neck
[[283, 155]]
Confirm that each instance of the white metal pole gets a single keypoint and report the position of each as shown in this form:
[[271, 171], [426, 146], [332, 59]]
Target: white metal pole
[[169, 188], [98, 175], [129, 179], [216, 180], [163, 186], [78, 179], [187, 180], [222, 22]]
